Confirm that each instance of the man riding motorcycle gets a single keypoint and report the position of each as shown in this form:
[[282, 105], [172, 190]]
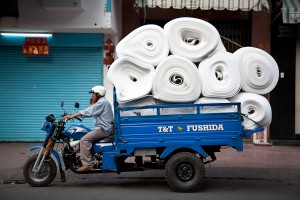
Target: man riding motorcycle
[[100, 109]]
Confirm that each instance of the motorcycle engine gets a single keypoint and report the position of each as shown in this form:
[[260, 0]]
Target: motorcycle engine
[[97, 160]]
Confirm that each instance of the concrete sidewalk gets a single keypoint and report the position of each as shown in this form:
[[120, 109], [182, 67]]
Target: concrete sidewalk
[[255, 162]]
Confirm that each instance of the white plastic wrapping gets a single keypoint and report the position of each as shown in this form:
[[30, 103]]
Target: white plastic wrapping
[[220, 76], [144, 74], [176, 79], [191, 38], [131, 78], [256, 107], [148, 44], [146, 101], [214, 109], [259, 71]]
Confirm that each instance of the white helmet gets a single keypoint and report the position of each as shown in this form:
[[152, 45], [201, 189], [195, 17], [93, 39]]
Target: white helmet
[[98, 89]]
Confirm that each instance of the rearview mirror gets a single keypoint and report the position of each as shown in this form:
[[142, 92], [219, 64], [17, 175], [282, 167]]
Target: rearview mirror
[[77, 105], [62, 104]]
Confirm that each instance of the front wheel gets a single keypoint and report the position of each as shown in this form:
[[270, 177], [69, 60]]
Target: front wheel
[[185, 172], [44, 177]]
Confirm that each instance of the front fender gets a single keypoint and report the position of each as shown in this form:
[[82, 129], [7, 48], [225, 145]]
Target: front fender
[[56, 155]]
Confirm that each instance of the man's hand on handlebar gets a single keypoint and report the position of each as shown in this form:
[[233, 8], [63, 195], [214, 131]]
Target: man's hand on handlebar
[[71, 116]]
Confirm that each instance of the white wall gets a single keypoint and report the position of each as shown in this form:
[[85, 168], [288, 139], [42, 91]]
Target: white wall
[[116, 9], [91, 18]]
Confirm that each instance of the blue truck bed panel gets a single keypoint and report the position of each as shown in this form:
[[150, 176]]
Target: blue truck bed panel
[[192, 130]]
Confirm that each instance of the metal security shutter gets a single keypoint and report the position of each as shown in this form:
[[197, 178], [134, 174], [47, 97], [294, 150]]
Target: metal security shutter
[[32, 87]]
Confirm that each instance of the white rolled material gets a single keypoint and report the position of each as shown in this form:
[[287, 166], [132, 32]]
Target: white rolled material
[[220, 46], [220, 76], [191, 38], [214, 109], [259, 71], [175, 110], [131, 78], [256, 107], [176, 79], [148, 44], [146, 101]]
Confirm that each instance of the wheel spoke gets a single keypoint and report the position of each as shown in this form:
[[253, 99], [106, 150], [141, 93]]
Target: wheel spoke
[[41, 175], [44, 176]]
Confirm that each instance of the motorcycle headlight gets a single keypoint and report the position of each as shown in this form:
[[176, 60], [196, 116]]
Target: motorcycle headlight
[[47, 126], [50, 118]]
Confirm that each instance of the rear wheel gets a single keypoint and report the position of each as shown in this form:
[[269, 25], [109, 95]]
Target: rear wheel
[[44, 177], [185, 172]]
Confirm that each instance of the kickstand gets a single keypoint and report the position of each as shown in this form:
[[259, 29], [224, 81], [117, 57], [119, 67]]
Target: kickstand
[[62, 175]]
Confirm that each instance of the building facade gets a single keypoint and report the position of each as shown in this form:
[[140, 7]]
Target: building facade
[[271, 26], [39, 72], [81, 48]]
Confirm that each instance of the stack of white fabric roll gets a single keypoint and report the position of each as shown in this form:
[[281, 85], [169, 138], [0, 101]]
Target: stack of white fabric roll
[[186, 62]]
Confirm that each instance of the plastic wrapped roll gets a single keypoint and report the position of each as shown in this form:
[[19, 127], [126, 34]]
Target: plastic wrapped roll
[[259, 71], [131, 78], [176, 79], [214, 109], [221, 46], [175, 110], [148, 44], [256, 107], [191, 38], [146, 101], [220, 75]]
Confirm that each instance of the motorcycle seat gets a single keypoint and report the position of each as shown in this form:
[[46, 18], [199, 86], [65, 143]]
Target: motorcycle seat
[[107, 139]]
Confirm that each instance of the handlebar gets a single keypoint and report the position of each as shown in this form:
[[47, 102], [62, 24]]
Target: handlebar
[[66, 119], [78, 119]]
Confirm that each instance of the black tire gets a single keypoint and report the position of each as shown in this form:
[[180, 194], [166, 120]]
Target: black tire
[[185, 172], [44, 177]]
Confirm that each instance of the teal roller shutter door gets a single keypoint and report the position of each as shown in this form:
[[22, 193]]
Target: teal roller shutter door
[[32, 87]]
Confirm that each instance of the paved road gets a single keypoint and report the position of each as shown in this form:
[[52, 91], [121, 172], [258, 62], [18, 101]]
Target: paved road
[[273, 159], [256, 173], [137, 188]]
